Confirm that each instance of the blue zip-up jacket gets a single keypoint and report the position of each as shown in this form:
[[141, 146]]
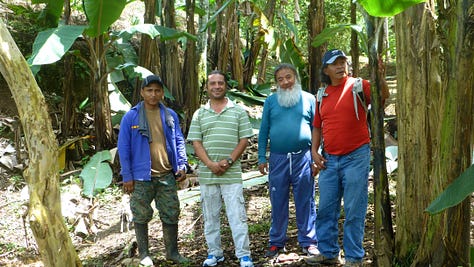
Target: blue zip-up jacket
[[134, 146]]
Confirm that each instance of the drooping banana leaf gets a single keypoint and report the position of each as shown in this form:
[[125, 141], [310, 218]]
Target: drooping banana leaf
[[455, 193], [97, 173], [387, 8]]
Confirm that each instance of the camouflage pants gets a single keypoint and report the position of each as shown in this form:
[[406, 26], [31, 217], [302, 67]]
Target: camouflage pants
[[161, 189]]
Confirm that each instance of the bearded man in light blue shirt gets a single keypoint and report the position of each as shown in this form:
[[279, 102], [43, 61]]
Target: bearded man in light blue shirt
[[286, 130]]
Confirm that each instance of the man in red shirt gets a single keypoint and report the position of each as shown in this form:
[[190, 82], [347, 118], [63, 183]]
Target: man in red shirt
[[341, 151]]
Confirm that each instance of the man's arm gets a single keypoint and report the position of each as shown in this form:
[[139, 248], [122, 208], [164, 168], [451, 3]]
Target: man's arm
[[318, 159], [239, 149], [125, 151]]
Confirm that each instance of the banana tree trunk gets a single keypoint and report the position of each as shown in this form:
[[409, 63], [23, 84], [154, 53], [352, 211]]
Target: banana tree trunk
[[316, 21], [102, 118], [190, 69], [42, 176], [354, 42], [258, 43], [435, 107], [384, 237], [149, 54], [172, 59]]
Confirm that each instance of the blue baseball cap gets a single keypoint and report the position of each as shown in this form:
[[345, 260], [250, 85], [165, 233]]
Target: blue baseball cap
[[152, 79], [331, 56]]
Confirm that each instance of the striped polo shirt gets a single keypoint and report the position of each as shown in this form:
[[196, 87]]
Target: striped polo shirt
[[220, 134]]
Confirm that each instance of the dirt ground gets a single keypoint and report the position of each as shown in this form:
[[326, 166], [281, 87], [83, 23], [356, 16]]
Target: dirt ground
[[111, 247]]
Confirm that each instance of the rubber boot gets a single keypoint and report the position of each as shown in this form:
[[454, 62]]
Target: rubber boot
[[141, 233], [170, 238]]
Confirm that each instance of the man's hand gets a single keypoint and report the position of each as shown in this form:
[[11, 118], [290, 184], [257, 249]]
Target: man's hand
[[319, 161], [219, 167], [314, 169], [263, 168], [180, 175], [128, 187]]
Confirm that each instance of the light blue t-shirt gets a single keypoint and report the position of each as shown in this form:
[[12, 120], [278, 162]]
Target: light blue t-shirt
[[286, 129]]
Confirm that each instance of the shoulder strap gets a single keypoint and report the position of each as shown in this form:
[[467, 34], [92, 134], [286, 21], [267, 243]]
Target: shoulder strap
[[319, 97], [358, 92]]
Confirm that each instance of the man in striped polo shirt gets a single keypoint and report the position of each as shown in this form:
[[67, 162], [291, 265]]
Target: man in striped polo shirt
[[220, 131]]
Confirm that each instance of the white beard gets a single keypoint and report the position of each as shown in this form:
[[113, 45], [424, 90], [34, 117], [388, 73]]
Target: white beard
[[289, 97]]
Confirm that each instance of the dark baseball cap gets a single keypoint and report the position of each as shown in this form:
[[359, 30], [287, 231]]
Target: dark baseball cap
[[331, 56], [152, 79]]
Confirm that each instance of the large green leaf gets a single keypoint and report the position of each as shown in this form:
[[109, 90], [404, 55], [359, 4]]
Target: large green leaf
[[153, 30], [387, 8], [213, 18], [97, 174], [457, 191], [51, 45], [290, 26], [329, 33], [101, 14], [52, 12], [291, 53], [247, 99]]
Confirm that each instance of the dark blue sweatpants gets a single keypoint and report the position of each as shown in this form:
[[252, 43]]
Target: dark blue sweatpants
[[285, 170]]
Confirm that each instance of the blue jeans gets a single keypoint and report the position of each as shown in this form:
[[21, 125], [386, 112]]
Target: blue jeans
[[292, 169], [344, 177]]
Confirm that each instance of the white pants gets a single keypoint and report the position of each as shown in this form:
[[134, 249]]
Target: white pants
[[211, 200]]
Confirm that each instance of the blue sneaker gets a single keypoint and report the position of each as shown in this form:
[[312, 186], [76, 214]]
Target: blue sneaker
[[245, 261], [212, 260]]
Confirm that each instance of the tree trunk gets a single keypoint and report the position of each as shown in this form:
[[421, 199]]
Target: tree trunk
[[223, 43], [69, 121], [42, 175], [202, 45], [228, 44], [149, 54], [215, 44], [383, 236], [171, 57], [316, 21], [190, 69], [354, 42], [435, 106], [99, 89], [203, 50], [236, 51], [258, 42]]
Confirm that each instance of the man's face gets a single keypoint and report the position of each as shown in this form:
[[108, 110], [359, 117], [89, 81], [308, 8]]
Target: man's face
[[152, 94], [285, 79], [216, 86], [337, 70]]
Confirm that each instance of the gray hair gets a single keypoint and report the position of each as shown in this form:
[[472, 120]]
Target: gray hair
[[286, 66]]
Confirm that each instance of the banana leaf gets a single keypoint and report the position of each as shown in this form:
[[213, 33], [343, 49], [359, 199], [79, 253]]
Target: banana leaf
[[97, 173]]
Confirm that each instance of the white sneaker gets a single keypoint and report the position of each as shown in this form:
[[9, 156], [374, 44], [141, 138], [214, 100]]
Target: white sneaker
[[146, 262], [212, 260], [311, 250], [245, 261]]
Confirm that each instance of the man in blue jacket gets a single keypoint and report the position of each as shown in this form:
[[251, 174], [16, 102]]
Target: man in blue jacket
[[153, 158]]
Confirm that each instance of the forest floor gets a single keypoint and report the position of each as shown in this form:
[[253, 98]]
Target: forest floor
[[112, 247]]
